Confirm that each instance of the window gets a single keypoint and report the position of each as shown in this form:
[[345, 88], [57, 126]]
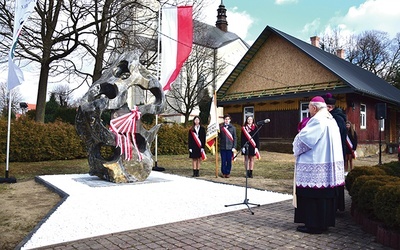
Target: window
[[363, 116], [304, 112], [248, 111]]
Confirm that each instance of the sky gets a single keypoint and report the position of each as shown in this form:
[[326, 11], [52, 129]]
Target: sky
[[306, 18], [299, 18]]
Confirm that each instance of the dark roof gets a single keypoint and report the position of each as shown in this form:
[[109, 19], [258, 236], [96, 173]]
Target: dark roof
[[358, 79], [210, 36]]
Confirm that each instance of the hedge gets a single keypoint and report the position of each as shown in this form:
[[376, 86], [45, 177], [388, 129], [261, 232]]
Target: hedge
[[387, 204], [375, 191], [32, 141]]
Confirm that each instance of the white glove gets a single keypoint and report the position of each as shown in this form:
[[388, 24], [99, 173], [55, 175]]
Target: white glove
[[202, 150], [233, 150], [190, 150], [243, 150]]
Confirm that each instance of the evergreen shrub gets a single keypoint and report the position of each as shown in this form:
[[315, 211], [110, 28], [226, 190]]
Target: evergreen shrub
[[375, 191], [172, 139], [386, 204], [391, 168], [365, 188], [32, 141], [359, 171]]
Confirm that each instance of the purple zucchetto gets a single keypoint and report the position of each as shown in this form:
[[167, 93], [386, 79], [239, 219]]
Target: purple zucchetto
[[317, 99]]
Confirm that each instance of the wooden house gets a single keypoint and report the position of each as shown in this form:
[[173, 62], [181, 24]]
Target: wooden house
[[279, 74]]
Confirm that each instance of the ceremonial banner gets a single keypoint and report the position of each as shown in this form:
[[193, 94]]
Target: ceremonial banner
[[23, 9], [176, 42], [213, 127]]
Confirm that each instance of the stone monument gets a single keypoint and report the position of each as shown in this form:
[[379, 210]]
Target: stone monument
[[127, 142]]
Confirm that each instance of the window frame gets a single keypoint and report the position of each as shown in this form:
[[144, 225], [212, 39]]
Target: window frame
[[304, 112], [246, 114], [363, 116]]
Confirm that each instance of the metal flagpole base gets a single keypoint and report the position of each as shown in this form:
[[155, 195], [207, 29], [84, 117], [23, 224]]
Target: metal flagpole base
[[8, 179], [157, 168]]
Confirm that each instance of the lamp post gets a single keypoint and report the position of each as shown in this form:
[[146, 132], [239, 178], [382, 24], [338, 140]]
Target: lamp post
[[380, 142]]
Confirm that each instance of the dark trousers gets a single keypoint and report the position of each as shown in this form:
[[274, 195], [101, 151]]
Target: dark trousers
[[226, 161]]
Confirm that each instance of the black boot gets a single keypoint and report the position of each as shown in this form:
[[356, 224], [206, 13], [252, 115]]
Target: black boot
[[251, 173], [194, 173], [247, 173], [197, 173]]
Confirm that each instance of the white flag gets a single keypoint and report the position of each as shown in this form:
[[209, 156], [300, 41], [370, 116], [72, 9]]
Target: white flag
[[213, 127], [23, 9], [15, 75]]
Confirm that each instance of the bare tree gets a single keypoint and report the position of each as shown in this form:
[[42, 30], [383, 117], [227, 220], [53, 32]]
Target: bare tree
[[52, 34], [376, 52], [64, 37], [198, 74], [371, 50], [393, 75], [62, 94], [5, 99], [331, 42], [56, 32]]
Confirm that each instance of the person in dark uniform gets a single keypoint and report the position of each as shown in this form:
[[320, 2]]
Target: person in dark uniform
[[227, 145]]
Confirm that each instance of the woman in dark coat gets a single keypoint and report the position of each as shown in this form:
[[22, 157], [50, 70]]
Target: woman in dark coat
[[249, 135], [196, 143], [351, 146]]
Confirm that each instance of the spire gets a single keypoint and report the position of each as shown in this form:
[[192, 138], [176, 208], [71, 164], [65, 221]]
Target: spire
[[221, 23]]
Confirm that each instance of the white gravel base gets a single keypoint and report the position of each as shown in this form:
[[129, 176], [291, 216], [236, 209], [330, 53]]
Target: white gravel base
[[96, 207]]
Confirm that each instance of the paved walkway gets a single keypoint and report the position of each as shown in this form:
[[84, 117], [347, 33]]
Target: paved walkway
[[271, 227]]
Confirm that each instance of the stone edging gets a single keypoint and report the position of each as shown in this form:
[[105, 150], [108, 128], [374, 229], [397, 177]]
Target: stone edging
[[384, 236]]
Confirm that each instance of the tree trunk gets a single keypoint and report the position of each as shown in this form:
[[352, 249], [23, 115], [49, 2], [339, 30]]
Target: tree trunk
[[42, 93]]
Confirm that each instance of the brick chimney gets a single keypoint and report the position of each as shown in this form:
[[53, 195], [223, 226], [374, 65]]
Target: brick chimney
[[340, 53], [315, 41], [221, 23]]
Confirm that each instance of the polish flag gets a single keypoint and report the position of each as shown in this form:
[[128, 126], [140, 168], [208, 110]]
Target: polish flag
[[176, 42]]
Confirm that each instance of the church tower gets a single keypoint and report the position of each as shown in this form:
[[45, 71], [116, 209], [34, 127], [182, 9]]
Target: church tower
[[221, 23]]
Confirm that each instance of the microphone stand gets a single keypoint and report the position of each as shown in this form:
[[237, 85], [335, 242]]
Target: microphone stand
[[246, 200]]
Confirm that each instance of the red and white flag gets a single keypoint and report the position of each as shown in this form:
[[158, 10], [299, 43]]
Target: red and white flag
[[176, 42], [23, 9]]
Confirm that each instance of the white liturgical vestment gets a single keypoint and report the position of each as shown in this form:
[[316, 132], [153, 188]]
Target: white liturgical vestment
[[318, 151]]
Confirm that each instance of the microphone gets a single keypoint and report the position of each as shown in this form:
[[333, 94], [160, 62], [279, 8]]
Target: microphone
[[263, 122]]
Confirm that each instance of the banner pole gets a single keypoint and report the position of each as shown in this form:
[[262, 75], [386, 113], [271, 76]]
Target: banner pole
[[7, 179], [156, 167], [8, 134], [216, 156]]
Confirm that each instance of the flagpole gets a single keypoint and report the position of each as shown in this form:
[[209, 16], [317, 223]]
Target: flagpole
[[23, 8], [216, 156], [156, 167], [8, 134], [7, 179], [216, 138]]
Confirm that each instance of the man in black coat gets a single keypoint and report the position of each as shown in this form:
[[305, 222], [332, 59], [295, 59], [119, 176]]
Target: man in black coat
[[341, 118]]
